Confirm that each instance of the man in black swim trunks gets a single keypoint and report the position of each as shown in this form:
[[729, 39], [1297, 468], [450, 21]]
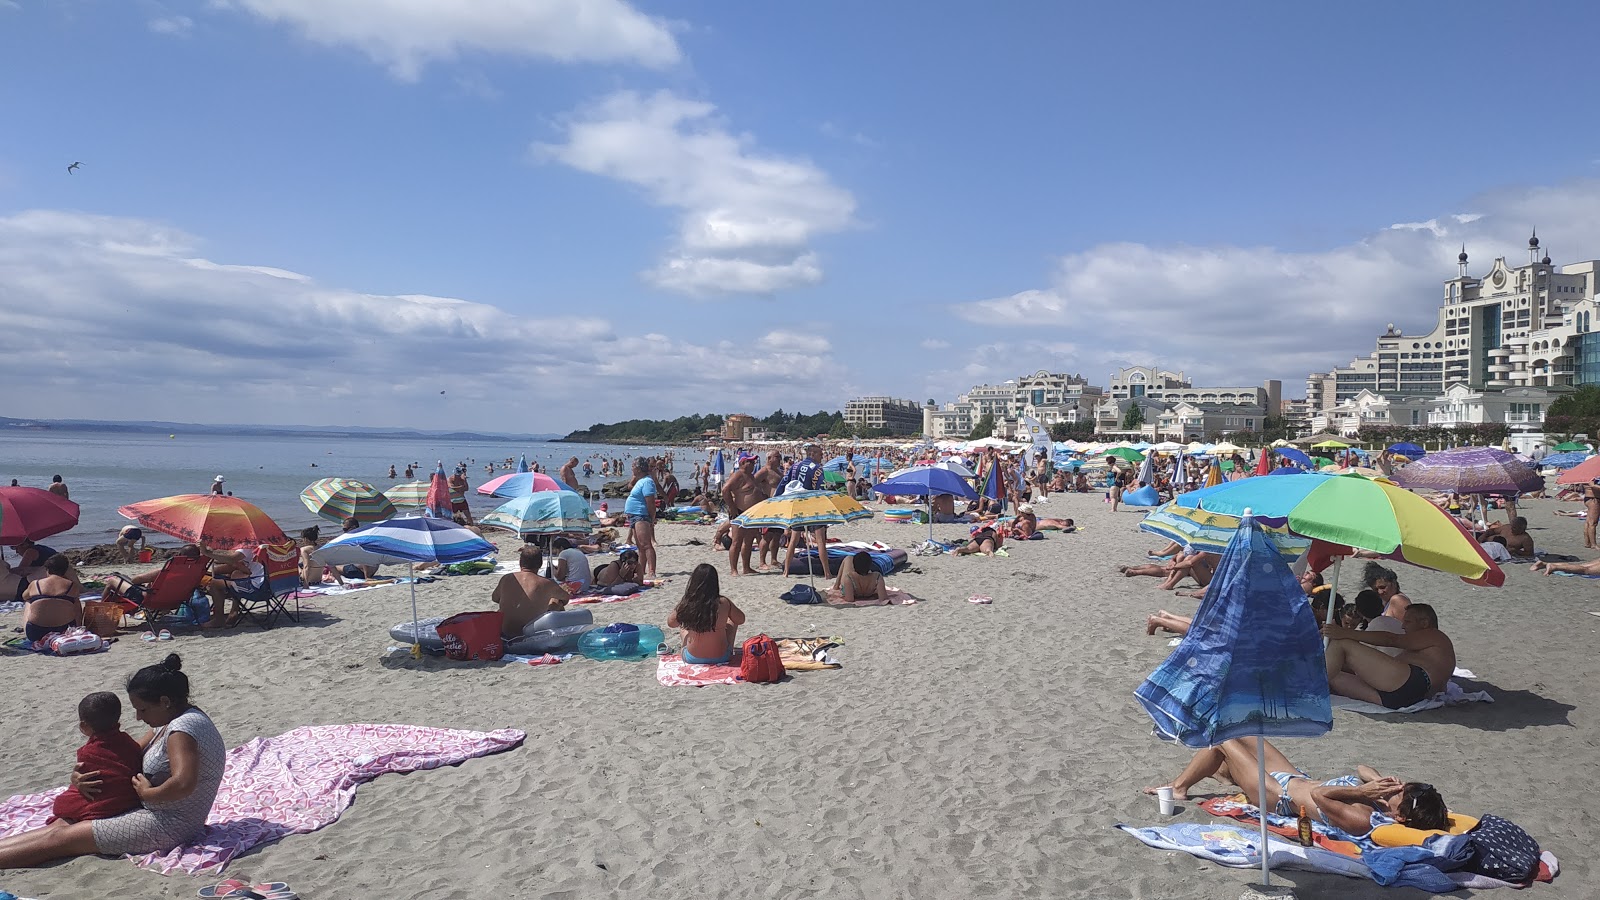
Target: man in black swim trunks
[[1426, 661]]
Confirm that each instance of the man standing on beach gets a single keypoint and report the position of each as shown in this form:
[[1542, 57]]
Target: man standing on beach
[[741, 492], [458, 494], [768, 481], [569, 475]]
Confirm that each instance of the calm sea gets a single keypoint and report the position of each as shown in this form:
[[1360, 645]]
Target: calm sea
[[108, 470]]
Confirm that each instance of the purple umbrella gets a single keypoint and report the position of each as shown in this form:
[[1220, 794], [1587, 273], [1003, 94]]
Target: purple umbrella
[[1470, 470]]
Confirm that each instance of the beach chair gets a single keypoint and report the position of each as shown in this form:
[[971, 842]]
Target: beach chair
[[280, 583], [178, 580]]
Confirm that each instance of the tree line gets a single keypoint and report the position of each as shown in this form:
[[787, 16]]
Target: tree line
[[777, 425]]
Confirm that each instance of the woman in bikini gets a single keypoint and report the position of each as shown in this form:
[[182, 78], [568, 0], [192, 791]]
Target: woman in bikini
[[51, 602], [1354, 804], [708, 622], [859, 583]]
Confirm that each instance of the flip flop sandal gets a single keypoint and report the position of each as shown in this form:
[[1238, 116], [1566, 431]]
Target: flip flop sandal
[[165, 635], [234, 888], [148, 638], [980, 599]]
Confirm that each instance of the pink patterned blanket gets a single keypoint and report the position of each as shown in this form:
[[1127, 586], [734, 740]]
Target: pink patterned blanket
[[294, 783]]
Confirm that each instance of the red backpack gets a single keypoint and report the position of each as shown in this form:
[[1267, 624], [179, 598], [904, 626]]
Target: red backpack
[[759, 662]]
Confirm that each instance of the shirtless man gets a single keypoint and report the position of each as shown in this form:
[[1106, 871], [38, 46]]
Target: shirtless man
[[458, 494], [1426, 661], [59, 488], [1514, 534], [769, 479], [742, 492], [569, 475], [1591, 506], [525, 595]]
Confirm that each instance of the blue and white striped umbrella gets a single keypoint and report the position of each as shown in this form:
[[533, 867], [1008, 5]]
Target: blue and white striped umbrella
[[547, 512], [1564, 460], [408, 540]]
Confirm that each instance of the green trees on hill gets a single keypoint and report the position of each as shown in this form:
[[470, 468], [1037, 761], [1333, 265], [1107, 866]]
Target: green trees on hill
[[691, 428], [1576, 413]]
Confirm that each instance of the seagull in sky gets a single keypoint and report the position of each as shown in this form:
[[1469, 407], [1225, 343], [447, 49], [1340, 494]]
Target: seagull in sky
[[73, 166]]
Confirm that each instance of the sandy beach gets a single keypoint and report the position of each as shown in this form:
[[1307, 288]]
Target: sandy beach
[[962, 750]]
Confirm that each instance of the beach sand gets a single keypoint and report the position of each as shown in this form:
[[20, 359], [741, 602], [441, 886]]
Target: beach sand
[[962, 751]]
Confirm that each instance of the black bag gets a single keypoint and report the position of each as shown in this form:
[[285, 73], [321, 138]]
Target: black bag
[[802, 594], [1501, 849]]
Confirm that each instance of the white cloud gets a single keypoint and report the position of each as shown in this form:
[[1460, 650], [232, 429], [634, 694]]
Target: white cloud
[[406, 35], [1237, 315], [935, 344], [748, 217], [121, 318], [177, 26]]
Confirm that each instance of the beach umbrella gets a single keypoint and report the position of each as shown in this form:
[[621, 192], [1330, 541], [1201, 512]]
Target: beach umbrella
[[1360, 513], [949, 465], [1214, 473], [1330, 444], [1363, 471], [521, 484], [1320, 462], [215, 521], [1125, 453], [1211, 532], [1264, 463], [1569, 446], [438, 503], [1470, 470], [1294, 455], [803, 509], [1564, 460], [1251, 665], [991, 486], [408, 495], [1409, 451], [718, 467], [547, 512], [1226, 447], [522, 463], [1582, 473], [337, 499], [30, 513], [408, 540], [926, 482]]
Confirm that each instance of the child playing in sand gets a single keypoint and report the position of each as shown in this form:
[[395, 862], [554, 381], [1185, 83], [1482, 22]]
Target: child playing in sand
[[709, 621], [109, 755]]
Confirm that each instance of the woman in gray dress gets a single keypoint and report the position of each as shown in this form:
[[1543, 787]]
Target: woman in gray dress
[[184, 759]]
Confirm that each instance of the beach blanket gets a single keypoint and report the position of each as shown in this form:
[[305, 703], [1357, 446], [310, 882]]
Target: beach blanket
[[798, 655], [1333, 842], [1575, 575], [16, 607], [607, 598], [294, 783], [896, 597], [1450, 696]]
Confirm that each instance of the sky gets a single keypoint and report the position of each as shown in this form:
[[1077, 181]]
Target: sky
[[539, 215]]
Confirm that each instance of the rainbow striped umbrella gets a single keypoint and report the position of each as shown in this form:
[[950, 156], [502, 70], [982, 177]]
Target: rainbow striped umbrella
[[337, 499], [803, 509], [210, 520], [411, 495]]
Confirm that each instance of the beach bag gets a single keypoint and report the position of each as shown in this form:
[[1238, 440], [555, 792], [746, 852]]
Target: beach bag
[[473, 636], [759, 662], [73, 640], [801, 594], [102, 618], [1501, 849]]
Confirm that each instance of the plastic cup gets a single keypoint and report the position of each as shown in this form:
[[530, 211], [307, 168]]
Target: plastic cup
[[1164, 798]]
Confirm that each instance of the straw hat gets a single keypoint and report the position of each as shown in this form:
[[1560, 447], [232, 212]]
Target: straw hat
[[218, 480], [1024, 507]]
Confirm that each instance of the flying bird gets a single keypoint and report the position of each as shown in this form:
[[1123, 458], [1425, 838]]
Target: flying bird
[[73, 166]]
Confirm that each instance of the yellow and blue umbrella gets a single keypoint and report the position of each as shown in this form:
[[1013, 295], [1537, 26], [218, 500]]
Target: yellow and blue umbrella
[[1211, 532], [337, 499], [803, 509]]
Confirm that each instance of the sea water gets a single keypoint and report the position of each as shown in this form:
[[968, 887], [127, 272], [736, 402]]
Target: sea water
[[106, 470]]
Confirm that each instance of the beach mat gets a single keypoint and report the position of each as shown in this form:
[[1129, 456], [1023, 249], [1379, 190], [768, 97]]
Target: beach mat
[[1238, 847], [294, 783], [808, 654], [1452, 695]]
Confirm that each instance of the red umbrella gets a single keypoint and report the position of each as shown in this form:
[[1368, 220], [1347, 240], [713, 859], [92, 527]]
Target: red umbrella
[[32, 513], [211, 520], [1264, 463], [438, 505], [1582, 473]]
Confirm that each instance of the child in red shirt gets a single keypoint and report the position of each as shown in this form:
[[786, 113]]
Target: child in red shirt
[[111, 755]]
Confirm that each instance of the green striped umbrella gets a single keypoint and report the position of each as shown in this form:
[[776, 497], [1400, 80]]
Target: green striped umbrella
[[411, 495], [337, 499]]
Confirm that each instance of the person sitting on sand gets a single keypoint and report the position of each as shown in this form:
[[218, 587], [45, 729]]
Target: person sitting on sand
[[1358, 668], [110, 753], [1513, 534], [51, 603], [1195, 564], [314, 573], [1384, 580], [622, 570], [31, 556], [1354, 804], [859, 583], [1026, 523], [525, 595], [571, 565], [985, 540], [708, 622]]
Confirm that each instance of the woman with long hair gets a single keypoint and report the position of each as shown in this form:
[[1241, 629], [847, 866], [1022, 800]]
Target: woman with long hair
[[709, 622]]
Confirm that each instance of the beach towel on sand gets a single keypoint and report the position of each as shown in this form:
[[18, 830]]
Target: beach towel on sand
[[1450, 696], [798, 655], [294, 783]]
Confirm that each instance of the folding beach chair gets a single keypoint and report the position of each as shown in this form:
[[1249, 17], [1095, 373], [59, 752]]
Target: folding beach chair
[[280, 583], [177, 581]]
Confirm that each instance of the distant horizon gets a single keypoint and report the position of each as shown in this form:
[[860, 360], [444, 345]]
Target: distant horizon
[[21, 423]]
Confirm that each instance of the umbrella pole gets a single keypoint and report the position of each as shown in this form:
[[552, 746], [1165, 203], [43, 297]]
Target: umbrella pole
[[1261, 792], [416, 643], [929, 498], [1333, 591]]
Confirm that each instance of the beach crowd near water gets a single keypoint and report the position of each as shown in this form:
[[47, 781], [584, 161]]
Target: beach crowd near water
[[974, 730]]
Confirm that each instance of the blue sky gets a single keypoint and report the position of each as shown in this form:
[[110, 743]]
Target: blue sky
[[562, 212]]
